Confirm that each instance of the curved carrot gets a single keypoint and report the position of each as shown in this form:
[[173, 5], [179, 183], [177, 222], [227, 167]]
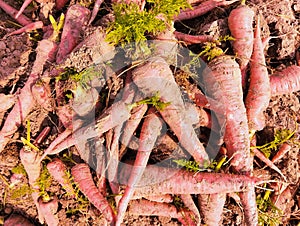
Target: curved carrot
[[259, 92], [285, 81], [82, 176], [240, 25]]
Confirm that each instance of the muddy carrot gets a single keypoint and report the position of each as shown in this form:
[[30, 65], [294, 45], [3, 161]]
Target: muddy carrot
[[259, 92], [283, 149], [23, 20], [149, 133], [82, 176], [240, 25], [48, 209]]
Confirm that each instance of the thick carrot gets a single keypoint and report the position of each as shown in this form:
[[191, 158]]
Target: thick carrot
[[48, 209], [75, 22], [222, 80], [23, 20], [285, 81], [283, 149], [259, 92], [201, 9], [148, 208], [95, 10], [159, 180], [25, 100], [17, 220], [240, 25], [193, 39], [58, 171], [156, 76], [149, 133], [82, 176], [211, 207]]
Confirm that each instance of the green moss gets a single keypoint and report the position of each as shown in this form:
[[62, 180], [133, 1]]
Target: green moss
[[19, 169], [19, 192]]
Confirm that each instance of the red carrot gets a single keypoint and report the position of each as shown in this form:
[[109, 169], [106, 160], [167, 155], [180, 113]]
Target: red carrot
[[283, 149], [58, 171], [167, 198], [159, 180], [285, 81], [149, 133], [222, 80], [48, 209], [156, 76], [240, 25], [7, 101], [17, 220], [95, 10], [148, 208], [189, 203], [193, 39], [76, 19], [23, 7], [23, 20], [41, 92], [27, 28], [211, 208], [201, 9], [82, 176], [248, 200], [59, 4], [259, 92], [25, 101]]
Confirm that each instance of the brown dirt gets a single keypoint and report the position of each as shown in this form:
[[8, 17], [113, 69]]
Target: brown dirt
[[280, 20]]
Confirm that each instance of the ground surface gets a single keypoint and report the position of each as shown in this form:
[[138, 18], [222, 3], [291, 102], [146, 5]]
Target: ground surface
[[280, 20]]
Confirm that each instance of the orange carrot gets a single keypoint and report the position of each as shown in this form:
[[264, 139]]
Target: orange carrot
[[259, 92], [285, 81], [82, 176], [159, 180], [240, 25], [156, 76], [149, 133], [222, 80], [201, 9], [148, 208]]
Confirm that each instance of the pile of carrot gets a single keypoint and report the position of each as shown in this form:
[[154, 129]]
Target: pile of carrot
[[151, 112]]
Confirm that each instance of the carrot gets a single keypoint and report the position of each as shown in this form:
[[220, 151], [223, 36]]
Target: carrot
[[75, 22], [201, 9], [7, 101], [48, 210], [23, 20], [189, 203], [150, 131], [58, 171], [297, 56], [259, 92], [159, 180], [41, 92], [82, 176], [59, 4], [285, 81], [248, 200], [95, 10], [25, 101], [17, 220], [222, 80], [240, 25], [27, 28], [283, 149], [211, 208], [23, 7], [156, 76], [148, 208], [167, 198], [193, 39]]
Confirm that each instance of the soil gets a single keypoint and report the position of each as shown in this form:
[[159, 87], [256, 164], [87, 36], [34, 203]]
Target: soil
[[280, 20]]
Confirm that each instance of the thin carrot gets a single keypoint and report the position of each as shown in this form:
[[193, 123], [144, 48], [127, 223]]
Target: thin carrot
[[283, 149], [95, 10], [159, 180], [259, 93], [240, 25], [156, 76], [23, 7], [149, 133], [201, 9], [48, 209], [59, 4], [189, 203], [285, 81], [27, 28], [193, 39], [82, 176], [23, 20], [248, 200]]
